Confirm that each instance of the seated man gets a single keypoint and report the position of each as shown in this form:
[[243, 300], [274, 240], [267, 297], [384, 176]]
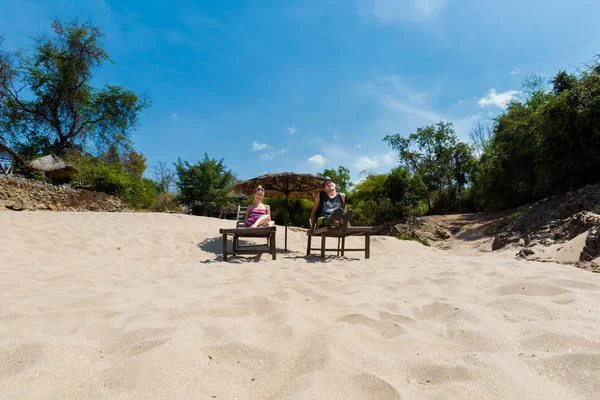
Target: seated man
[[330, 207]]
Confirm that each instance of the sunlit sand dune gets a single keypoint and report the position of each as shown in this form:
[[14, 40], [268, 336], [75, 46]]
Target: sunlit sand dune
[[141, 305]]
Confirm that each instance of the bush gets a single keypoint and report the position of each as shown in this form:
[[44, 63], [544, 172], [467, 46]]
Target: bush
[[135, 193], [167, 202], [405, 236], [298, 211]]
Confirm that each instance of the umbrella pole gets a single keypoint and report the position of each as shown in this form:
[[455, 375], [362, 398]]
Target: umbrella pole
[[285, 219]]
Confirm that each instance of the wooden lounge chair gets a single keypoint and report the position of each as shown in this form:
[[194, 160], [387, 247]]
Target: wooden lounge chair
[[240, 232], [337, 232]]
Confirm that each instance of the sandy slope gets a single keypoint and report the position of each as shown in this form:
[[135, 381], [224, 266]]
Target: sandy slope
[[127, 305]]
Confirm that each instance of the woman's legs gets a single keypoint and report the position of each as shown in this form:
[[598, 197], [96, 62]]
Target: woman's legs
[[264, 220]]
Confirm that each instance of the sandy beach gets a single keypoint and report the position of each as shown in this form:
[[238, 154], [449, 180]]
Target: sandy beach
[[141, 305]]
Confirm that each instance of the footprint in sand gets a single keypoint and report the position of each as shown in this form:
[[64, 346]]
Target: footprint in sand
[[375, 388], [578, 371], [517, 310], [528, 289], [554, 342], [386, 329], [139, 341], [444, 312], [437, 373], [18, 359]]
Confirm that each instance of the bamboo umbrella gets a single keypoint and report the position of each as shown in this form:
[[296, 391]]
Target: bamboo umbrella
[[285, 184]]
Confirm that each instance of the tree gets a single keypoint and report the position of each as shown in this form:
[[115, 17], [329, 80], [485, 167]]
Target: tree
[[402, 188], [47, 103], [341, 177], [204, 185], [164, 177], [482, 135], [429, 154], [563, 81], [134, 163], [129, 160]]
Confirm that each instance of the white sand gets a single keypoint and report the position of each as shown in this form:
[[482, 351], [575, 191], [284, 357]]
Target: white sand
[[129, 305]]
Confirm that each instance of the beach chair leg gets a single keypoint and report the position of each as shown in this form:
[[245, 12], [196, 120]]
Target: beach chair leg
[[367, 245], [308, 245], [338, 249], [224, 247], [235, 245], [343, 244], [272, 245], [323, 237]]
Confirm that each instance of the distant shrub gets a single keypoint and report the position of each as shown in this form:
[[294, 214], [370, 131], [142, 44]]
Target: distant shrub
[[405, 236], [167, 202], [111, 179]]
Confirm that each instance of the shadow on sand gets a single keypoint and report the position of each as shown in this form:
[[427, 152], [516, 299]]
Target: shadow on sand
[[214, 245]]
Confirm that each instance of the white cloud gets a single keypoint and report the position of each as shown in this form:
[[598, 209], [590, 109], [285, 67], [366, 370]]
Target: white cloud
[[499, 100], [404, 90], [464, 125], [175, 117], [272, 155], [259, 146], [335, 136], [317, 160], [423, 113], [400, 98], [515, 71], [366, 163], [390, 158], [292, 130], [401, 10]]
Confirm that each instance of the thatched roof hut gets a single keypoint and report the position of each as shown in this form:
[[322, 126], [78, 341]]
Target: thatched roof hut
[[8, 159], [53, 166]]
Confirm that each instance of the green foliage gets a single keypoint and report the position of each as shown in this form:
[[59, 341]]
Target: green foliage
[[298, 212], [544, 146], [382, 199], [341, 177], [405, 236], [204, 186], [62, 109], [401, 187], [436, 156], [112, 178]]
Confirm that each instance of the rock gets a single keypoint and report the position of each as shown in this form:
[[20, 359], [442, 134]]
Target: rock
[[524, 253], [576, 203], [581, 222], [504, 238], [32, 195], [52, 207], [443, 234], [15, 205], [583, 256], [591, 249], [558, 235]]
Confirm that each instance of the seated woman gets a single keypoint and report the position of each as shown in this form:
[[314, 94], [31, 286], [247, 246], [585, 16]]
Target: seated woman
[[258, 214]]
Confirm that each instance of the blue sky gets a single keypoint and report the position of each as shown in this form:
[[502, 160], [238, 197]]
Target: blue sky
[[273, 86]]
